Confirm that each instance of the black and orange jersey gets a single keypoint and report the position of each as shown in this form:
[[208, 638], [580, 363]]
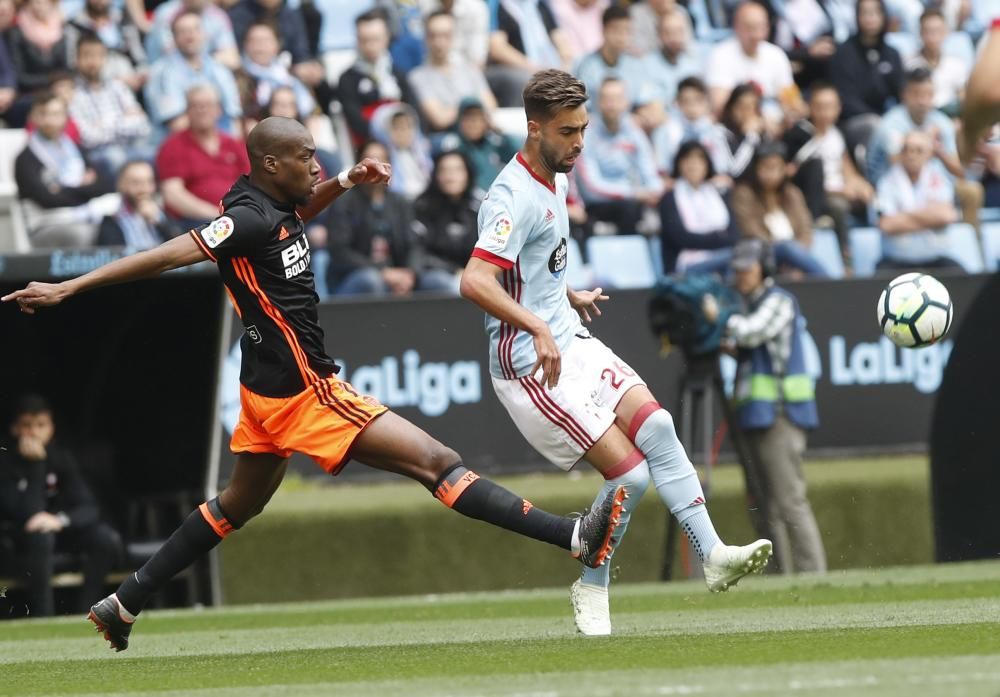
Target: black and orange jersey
[[263, 256]]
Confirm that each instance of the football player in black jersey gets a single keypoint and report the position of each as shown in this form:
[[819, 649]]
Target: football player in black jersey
[[291, 398]]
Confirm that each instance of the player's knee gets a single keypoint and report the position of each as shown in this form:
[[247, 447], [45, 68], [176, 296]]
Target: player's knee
[[435, 461], [636, 480]]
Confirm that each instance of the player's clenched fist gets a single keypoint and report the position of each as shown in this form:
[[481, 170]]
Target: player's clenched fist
[[37, 295], [370, 171]]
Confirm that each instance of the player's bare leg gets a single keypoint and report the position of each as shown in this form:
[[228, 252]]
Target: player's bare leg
[[623, 466], [651, 428], [392, 443], [254, 480]]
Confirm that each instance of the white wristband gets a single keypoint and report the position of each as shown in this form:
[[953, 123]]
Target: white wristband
[[345, 181]]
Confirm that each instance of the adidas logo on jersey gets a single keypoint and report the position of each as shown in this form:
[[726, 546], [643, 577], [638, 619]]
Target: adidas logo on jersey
[[549, 215], [283, 235]]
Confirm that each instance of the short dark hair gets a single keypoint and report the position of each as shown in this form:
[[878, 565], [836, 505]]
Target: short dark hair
[[376, 15], [43, 98], [917, 75], [551, 91], [266, 25], [692, 83], [614, 13], [821, 86], [689, 147], [930, 13], [88, 38], [30, 404], [134, 162]]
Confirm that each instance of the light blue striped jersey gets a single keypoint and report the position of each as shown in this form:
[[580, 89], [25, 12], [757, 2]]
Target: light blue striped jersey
[[523, 228]]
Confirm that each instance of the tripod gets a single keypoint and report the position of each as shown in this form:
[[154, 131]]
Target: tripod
[[701, 390]]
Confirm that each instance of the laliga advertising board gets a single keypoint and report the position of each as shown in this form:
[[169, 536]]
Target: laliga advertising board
[[426, 358]]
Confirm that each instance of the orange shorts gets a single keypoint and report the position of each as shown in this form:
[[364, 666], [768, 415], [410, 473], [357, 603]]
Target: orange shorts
[[322, 422]]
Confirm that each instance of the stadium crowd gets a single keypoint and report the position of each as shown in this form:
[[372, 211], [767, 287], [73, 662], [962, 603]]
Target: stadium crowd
[[712, 120]]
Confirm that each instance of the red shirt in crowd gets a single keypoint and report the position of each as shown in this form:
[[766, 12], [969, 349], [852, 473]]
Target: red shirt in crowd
[[206, 176]]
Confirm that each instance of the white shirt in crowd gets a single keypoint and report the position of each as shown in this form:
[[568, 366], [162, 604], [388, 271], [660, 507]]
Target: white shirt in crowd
[[729, 66]]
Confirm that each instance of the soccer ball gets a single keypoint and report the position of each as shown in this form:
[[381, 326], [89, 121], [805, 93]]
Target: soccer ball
[[914, 310]]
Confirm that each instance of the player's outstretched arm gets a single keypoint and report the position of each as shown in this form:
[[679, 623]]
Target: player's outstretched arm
[[368, 171], [480, 285], [585, 302], [982, 95], [178, 252]]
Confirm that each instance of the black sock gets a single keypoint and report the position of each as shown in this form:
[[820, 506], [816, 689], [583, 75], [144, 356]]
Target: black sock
[[200, 532], [466, 492]]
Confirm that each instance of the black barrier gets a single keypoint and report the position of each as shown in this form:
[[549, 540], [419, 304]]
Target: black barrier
[[427, 359]]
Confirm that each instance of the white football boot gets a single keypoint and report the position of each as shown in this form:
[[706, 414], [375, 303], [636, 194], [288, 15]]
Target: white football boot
[[727, 564], [590, 609]]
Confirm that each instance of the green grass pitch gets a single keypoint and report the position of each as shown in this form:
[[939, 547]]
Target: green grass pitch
[[905, 632]]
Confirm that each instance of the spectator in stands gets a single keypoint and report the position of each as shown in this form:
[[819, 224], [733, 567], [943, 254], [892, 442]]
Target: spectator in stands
[[612, 60], [819, 140], [51, 508], [373, 80], [62, 197], [749, 57], [768, 206], [675, 58], [525, 39], [126, 59], [804, 30], [372, 243], [486, 148], [777, 405], [917, 112], [581, 23], [113, 127], [446, 77], [915, 205], [695, 220], [692, 120], [140, 223], [949, 73], [37, 47], [397, 127], [290, 27], [616, 172], [868, 74], [446, 215], [472, 27], [199, 164], [173, 75], [266, 71], [744, 126], [337, 35], [647, 25], [8, 81], [219, 43], [8, 14]]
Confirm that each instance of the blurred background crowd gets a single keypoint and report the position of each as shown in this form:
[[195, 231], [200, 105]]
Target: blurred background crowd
[[826, 127]]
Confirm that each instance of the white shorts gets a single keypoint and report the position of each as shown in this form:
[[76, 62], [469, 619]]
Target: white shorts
[[564, 423]]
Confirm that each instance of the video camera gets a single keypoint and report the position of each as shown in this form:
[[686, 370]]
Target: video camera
[[676, 313]]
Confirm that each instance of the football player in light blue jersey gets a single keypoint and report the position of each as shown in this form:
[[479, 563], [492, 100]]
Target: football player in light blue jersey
[[570, 396]]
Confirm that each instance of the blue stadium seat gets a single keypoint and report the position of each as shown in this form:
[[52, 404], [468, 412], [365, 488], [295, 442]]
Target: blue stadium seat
[[906, 44], [621, 261], [656, 254], [826, 250], [989, 215], [578, 274], [963, 246], [866, 250], [991, 245], [959, 44]]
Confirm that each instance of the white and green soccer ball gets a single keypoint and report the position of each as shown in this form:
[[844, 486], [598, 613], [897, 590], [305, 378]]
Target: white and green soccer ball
[[915, 310]]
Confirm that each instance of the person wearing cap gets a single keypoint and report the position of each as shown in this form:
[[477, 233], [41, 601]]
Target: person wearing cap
[[775, 402], [487, 149], [446, 77]]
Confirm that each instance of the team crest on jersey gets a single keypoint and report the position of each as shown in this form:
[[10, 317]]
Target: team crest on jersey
[[557, 261], [501, 230], [217, 232]]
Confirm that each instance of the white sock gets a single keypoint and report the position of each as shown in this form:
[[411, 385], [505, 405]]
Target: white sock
[[122, 612], [635, 481], [574, 545], [675, 479]]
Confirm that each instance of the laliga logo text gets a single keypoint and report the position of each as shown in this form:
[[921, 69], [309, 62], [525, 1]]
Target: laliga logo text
[[431, 387], [882, 363]]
